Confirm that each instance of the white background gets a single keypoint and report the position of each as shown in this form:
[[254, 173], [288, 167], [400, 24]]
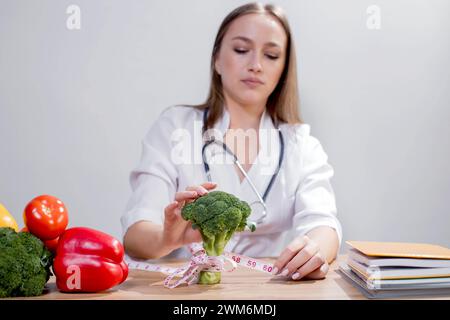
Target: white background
[[74, 105]]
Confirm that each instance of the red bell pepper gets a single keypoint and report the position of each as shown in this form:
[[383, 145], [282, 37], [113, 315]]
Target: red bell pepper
[[88, 260]]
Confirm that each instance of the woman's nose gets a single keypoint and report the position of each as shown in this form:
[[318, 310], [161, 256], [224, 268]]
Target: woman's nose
[[255, 63]]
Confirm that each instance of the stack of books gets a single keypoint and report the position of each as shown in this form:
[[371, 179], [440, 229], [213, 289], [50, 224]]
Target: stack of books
[[396, 269]]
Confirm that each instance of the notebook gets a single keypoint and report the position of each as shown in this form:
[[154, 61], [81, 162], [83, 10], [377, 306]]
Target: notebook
[[356, 255], [401, 249], [396, 269], [374, 273], [398, 260], [396, 288]]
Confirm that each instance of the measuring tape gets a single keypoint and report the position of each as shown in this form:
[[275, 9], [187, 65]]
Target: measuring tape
[[250, 263], [200, 261]]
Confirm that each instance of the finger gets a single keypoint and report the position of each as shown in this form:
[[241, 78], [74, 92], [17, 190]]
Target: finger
[[185, 195], [191, 235], [302, 257], [312, 264], [169, 211], [288, 253], [319, 273], [209, 185], [199, 189]]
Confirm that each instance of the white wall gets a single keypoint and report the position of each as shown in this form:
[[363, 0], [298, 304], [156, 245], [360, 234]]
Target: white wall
[[74, 105]]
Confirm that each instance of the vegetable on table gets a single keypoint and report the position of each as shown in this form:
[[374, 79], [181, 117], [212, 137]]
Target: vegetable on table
[[49, 244], [217, 215], [52, 245], [24, 264], [46, 217], [6, 219], [88, 260]]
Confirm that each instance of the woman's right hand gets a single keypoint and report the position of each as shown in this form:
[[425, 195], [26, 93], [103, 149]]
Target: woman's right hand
[[177, 231]]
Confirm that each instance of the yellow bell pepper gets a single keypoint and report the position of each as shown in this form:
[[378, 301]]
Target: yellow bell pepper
[[7, 220]]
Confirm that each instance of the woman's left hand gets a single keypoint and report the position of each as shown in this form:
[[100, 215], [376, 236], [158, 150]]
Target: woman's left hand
[[302, 259]]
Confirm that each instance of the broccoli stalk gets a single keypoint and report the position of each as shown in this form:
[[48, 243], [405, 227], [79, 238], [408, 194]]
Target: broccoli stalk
[[217, 215], [213, 246]]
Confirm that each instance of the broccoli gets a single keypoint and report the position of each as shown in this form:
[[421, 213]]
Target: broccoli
[[24, 264], [217, 215]]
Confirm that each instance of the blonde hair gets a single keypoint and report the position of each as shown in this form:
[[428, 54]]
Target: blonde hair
[[283, 103]]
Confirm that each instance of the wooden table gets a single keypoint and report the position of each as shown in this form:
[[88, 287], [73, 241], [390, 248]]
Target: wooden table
[[242, 283]]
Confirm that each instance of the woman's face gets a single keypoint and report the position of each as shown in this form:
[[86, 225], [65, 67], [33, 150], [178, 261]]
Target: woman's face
[[253, 48]]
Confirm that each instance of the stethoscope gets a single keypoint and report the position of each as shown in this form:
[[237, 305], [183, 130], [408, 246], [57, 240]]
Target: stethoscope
[[261, 202]]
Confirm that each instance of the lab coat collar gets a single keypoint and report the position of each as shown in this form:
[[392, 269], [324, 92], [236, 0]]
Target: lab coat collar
[[223, 124], [266, 161]]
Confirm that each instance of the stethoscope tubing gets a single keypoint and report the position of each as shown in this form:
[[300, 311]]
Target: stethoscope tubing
[[236, 161]]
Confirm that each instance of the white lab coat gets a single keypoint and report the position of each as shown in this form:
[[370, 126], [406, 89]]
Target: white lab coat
[[301, 197]]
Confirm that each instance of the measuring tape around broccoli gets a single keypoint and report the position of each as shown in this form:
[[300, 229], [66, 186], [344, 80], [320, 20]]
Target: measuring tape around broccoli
[[217, 215]]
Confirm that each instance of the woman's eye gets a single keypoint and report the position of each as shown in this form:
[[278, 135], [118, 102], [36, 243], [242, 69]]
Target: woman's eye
[[243, 51], [272, 57], [240, 51]]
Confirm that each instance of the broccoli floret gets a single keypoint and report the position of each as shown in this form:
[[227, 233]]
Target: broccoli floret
[[217, 215], [24, 264]]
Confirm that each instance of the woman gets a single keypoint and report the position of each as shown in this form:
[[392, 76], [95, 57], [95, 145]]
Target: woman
[[253, 89]]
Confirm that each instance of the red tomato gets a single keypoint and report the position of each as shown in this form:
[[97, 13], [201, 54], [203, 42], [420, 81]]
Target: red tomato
[[46, 217], [50, 244]]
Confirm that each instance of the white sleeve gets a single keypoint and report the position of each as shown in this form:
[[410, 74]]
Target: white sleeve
[[315, 203], [154, 181]]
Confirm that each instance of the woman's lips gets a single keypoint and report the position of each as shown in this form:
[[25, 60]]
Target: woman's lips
[[251, 83]]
